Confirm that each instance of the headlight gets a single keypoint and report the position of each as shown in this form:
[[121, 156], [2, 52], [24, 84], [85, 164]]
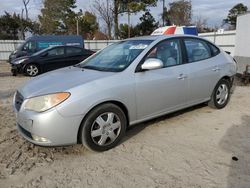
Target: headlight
[[45, 102], [19, 61]]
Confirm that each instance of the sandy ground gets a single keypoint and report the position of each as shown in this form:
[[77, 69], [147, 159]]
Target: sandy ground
[[191, 148]]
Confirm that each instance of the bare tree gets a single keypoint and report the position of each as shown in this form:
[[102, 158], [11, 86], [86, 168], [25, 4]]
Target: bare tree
[[104, 10], [201, 24], [180, 12], [25, 3], [22, 28]]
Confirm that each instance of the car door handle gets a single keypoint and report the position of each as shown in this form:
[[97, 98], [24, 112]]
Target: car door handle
[[182, 77], [216, 69]]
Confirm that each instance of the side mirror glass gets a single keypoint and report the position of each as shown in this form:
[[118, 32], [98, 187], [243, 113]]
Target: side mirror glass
[[151, 64]]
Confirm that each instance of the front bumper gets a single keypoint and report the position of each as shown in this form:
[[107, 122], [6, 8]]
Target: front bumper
[[55, 129], [16, 68]]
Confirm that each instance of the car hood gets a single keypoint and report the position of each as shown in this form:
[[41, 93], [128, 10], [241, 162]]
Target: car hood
[[60, 80]]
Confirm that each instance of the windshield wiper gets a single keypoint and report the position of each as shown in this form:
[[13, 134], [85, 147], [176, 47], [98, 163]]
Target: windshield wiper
[[103, 69], [93, 68], [77, 65]]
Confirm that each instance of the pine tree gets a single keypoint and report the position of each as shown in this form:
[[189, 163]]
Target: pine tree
[[57, 16]]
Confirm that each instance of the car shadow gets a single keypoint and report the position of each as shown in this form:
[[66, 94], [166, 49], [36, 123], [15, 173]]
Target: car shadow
[[137, 128], [236, 141]]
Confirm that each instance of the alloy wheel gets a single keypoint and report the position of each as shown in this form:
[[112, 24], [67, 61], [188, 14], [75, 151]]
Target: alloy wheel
[[222, 94], [105, 129], [32, 70]]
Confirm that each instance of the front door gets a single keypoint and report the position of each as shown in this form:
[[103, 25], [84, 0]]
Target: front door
[[53, 59], [162, 90]]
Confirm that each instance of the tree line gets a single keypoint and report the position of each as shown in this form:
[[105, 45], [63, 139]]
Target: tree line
[[61, 17]]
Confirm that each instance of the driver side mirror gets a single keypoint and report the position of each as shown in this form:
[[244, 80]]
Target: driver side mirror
[[151, 64]]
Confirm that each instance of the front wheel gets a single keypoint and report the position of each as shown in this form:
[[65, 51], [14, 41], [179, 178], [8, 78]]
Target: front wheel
[[32, 70], [103, 127], [221, 95]]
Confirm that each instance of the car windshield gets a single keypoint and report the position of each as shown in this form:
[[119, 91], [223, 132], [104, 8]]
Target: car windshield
[[20, 46], [116, 57]]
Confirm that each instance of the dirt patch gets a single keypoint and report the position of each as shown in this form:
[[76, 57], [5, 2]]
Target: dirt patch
[[191, 148]]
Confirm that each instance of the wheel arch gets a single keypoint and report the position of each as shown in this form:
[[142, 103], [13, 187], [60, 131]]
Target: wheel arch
[[225, 77], [115, 102], [228, 78], [33, 63], [211, 102]]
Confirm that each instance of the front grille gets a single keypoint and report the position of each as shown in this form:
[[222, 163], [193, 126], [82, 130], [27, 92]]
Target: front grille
[[18, 101]]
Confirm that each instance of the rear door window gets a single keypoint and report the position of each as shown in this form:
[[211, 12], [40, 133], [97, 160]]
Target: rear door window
[[73, 51], [56, 52], [197, 50]]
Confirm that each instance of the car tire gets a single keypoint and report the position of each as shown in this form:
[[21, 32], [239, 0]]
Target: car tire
[[103, 127], [32, 70], [221, 95]]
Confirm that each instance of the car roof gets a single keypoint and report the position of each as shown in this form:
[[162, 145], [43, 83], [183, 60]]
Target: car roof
[[160, 37]]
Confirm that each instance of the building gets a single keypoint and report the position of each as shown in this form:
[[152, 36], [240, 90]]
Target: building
[[242, 42]]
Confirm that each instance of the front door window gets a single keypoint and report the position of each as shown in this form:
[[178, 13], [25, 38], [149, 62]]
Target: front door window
[[168, 52]]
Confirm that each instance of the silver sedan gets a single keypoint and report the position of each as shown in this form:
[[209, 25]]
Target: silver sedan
[[126, 83]]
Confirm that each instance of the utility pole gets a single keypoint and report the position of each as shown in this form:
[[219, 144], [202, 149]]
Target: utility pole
[[77, 26], [116, 11], [128, 23], [128, 9], [78, 16], [163, 16]]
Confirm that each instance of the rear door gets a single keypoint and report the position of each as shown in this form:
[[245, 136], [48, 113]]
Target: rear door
[[203, 70], [74, 55], [162, 90]]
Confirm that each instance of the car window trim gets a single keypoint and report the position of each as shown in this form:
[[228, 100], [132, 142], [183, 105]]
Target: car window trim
[[138, 67]]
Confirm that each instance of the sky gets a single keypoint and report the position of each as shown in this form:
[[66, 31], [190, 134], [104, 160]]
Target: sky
[[214, 11]]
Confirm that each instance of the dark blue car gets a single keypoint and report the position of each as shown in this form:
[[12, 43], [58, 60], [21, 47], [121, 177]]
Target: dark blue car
[[49, 59]]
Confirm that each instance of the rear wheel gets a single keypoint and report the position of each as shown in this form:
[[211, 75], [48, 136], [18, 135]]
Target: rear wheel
[[221, 95], [103, 127], [32, 70]]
